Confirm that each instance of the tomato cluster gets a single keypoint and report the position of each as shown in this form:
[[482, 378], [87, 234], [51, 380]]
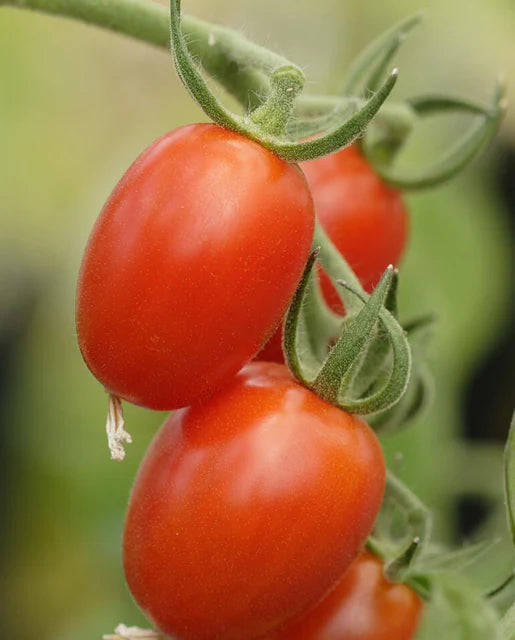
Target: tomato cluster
[[257, 495]]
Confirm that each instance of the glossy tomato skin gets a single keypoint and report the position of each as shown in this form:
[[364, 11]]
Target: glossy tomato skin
[[365, 218], [363, 606], [190, 265], [249, 507]]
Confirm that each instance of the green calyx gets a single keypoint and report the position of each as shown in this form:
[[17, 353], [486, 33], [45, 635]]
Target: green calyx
[[420, 390], [365, 362], [281, 118], [457, 156], [267, 122], [368, 332]]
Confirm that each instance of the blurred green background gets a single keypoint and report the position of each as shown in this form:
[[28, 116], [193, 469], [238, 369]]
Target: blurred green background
[[76, 106]]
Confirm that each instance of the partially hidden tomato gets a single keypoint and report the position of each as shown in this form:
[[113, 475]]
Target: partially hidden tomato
[[363, 606], [190, 265], [249, 507], [365, 218]]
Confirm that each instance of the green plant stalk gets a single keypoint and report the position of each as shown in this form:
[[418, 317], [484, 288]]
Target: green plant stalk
[[243, 67], [141, 19], [234, 61], [224, 54]]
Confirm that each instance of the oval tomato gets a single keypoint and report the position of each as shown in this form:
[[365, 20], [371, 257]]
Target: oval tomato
[[364, 606], [190, 266], [364, 217], [249, 507]]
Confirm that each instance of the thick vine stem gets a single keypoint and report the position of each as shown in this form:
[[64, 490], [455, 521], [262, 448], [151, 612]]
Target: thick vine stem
[[150, 22], [242, 67]]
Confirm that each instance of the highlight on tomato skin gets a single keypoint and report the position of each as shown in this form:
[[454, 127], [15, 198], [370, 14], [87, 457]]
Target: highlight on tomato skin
[[191, 265], [365, 218], [363, 606], [249, 507]]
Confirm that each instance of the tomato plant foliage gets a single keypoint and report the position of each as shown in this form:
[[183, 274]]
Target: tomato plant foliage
[[249, 507], [179, 284]]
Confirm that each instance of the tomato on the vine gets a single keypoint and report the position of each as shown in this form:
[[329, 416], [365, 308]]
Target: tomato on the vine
[[248, 507], [364, 606], [365, 218], [190, 266]]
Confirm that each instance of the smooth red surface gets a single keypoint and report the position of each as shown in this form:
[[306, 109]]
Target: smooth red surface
[[190, 266], [364, 217], [249, 507], [364, 606]]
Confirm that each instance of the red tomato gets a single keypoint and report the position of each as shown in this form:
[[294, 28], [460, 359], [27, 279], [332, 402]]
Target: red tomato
[[249, 507], [190, 266], [364, 217], [364, 606]]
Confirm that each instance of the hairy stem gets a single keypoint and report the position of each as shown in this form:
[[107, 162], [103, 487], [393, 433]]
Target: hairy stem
[[223, 52]]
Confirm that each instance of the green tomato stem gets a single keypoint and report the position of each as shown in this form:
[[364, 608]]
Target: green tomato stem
[[273, 115], [141, 19]]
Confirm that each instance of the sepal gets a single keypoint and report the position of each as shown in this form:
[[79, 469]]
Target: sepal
[[456, 158], [420, 391], [332, 374], [268, 122]]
